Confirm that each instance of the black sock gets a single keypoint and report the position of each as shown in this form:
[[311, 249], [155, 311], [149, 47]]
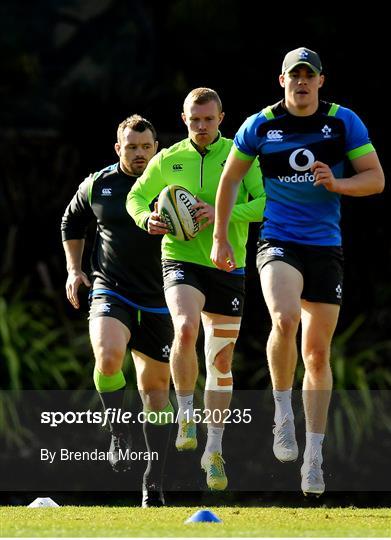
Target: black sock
[[157, 439], [114, 400]]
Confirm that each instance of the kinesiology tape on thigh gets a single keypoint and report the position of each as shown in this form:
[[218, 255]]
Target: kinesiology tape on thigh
[[218, 336]]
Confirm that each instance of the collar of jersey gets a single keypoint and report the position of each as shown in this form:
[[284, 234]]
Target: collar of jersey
[[132, 177], [210, 147]]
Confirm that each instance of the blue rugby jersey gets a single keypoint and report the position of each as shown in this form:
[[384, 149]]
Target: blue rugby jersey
[[287, 145]]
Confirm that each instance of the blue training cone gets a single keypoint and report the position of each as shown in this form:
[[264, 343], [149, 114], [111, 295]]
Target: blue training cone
[[203, 516]]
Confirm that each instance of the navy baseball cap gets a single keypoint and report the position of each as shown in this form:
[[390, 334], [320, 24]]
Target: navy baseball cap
[[302, 55]]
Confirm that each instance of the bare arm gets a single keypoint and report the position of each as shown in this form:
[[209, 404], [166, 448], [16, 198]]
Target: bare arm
[[234, 170], [368, 180], [74, 253]]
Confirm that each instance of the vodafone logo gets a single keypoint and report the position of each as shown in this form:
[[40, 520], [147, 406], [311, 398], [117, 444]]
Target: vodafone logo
[[300, 160], [306, 157]]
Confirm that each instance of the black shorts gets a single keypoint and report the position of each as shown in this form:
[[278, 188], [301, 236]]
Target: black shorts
[[151, 333], [223, 291], [320, 266]]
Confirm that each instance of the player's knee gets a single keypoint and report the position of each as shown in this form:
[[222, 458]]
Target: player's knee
[[157, 384], [223, 359], [220, 340], [186, 332], [154, 399], [317, 361], [286, 323], [109, 359]]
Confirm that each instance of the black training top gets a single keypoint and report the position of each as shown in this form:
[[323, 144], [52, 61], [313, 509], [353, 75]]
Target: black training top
[[125, 258]]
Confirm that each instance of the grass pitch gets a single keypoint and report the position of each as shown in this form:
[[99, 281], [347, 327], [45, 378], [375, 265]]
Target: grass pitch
[[98, 521]]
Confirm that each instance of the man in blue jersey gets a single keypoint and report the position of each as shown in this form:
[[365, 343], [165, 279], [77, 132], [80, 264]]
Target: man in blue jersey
[[302, 144]]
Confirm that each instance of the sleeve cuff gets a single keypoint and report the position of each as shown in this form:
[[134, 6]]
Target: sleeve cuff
[[241, 155]]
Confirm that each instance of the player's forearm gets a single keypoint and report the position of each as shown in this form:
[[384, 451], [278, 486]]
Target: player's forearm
[[249, 212], [225, 200], [364, 183], [138, 208], [74, 254]]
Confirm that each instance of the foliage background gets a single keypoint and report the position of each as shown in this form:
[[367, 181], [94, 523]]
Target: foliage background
[[73, 69]]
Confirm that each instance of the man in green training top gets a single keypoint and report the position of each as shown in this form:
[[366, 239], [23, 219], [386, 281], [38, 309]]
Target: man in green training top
[[194, 289]]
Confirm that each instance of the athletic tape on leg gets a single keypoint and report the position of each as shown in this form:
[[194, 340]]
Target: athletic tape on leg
[[109, 383], [218, 336]]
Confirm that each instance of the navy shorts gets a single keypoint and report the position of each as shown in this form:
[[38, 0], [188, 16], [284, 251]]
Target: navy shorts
[[320, 266], [151, 333], [223, 291]]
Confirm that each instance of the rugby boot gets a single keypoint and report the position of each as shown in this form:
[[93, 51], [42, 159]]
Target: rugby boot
[[312, 482], [285, 446], [119, 452], [153, 495], [187, 436], [213, 464]]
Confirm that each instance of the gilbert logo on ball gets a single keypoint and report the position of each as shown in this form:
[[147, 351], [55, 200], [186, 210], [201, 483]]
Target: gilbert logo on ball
[[175, 206]]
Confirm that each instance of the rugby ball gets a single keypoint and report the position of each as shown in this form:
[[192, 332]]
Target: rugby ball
[[175, 208]]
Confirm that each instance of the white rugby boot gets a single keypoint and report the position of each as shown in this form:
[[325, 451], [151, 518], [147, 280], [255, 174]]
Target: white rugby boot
[[285, 446]]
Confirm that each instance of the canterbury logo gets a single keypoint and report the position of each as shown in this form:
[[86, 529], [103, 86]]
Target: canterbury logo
[[177, 167], [275, 252], [274, 135], [176, 274], [103, 308], [106, 192]]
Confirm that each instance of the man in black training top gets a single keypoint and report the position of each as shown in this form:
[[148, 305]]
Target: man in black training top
[[127, 301]]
